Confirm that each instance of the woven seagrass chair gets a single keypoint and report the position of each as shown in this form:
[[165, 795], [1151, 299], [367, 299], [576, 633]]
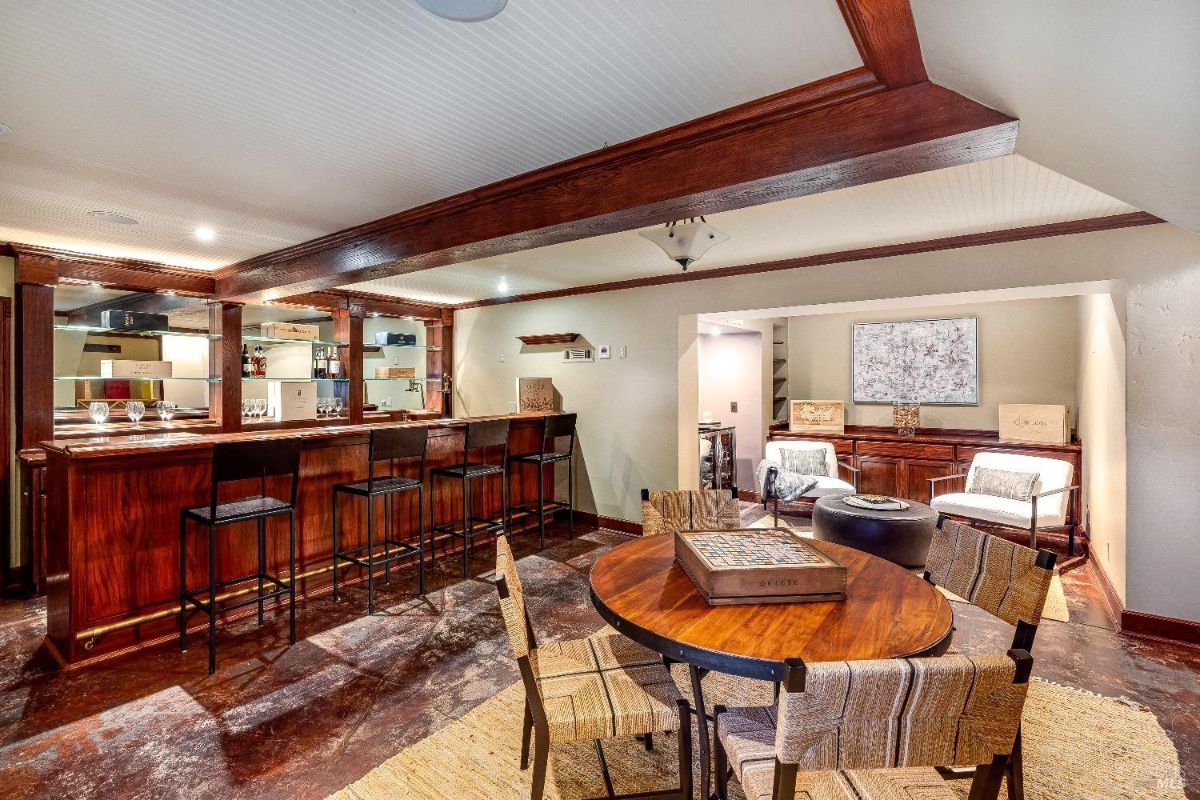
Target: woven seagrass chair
[[1005, 579], [877, 730], [597, 688], [667, 511]]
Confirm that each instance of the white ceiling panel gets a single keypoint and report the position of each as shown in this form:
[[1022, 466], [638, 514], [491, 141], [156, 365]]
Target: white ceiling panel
[[274, 121], [999, 194]]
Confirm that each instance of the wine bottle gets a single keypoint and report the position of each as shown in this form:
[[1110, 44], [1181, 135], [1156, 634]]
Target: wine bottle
[[335, 364], [322, 363], [246, 370], [260, 362]]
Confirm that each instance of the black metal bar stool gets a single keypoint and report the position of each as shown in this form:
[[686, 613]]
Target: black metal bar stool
[[387, 444], [479, 436], [554, 427], [239, 461]]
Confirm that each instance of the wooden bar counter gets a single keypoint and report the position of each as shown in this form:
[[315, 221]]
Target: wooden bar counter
[[112, 533]]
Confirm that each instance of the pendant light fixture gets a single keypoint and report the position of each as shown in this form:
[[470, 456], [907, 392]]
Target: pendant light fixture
[[684, 242]]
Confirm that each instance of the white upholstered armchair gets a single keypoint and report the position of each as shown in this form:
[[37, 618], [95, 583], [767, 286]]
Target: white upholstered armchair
[[829, 483], [1014, 491]]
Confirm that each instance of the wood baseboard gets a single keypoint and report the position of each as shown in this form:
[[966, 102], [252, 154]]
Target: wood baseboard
[[1152, 626], [1113, 607], [609, 523]]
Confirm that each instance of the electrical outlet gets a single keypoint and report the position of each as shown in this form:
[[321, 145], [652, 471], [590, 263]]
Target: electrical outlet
[[621, 351], [733, 406], [512, 408], [602, 351], [502, 358]]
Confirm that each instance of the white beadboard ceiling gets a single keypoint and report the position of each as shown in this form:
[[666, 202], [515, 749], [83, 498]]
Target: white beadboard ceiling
[[277, 121], [1002, 193]]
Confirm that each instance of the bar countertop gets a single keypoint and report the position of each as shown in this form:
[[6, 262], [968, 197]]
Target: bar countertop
[[162, 439]]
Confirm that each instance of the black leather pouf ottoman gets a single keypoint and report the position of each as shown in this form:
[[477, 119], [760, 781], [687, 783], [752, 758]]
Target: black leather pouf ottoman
[[901, 537]]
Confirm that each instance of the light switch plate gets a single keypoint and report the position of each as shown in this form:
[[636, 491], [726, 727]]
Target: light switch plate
[[602, 351], [502, 358], [512, 408], [733, 406]]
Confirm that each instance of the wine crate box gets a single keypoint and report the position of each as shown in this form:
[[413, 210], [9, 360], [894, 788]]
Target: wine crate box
[[290, 330], [817, 416], [1028, 422], [132, 320], [292, 399], [395, 372], [385, 338], [121, 368]]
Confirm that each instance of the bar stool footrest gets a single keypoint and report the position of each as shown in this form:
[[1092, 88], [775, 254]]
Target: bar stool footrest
[[403, 550]]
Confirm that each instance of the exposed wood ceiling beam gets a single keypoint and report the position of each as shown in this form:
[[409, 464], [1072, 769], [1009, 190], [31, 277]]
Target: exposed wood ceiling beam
[[48, 265], [136, 301], [843, 256], [886, 36]]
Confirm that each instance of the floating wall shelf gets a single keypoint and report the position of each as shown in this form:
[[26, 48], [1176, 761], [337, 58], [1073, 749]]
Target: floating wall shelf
[[549, 338]]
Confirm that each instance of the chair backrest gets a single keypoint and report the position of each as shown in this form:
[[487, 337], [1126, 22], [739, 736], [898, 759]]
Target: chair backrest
[[259, 459], [512, 600], [772, 452], [1003, 578], [487, 433], [556, 426], [400, 441], [1053, 473], [906, 712], [689, 509]]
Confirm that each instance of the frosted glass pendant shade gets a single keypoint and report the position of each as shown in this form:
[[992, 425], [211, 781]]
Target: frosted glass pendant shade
[[685, 242]]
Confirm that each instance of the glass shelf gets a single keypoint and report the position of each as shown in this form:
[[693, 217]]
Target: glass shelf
[[98, 329], [403, 346], [274, 340], [333, 380], [100, 378], [421, 380]]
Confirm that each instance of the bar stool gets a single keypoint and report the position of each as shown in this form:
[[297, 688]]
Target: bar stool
[[554, 427], [387, 444], [478, 437], [239, 461]]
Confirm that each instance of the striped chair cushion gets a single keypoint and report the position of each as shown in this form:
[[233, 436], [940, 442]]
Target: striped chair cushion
[[999, 576], [1003, 483], [804, 460], [670, 511], [605, 703]]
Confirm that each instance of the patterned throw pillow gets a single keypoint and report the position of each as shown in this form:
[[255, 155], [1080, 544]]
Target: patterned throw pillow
[[804, 461], [1003, 483]]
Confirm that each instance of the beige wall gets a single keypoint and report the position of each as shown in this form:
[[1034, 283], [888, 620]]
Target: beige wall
[[1101, 427], [1026, 355], [731, 370], [630, 410]]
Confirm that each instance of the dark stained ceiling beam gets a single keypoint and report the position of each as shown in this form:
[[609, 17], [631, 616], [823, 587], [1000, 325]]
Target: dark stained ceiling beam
[[135, 301], [886, 36]]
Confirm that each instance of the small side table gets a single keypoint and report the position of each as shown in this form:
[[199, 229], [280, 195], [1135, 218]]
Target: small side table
[[901, 537]]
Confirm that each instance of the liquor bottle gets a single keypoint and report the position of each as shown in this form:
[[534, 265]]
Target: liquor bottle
[[260, 362], [246, 368], [322, 364], [335, 364]]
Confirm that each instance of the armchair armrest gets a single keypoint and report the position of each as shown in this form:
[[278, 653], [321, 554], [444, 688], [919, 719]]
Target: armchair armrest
[[853, 473], [1052, 492], [934, 481]]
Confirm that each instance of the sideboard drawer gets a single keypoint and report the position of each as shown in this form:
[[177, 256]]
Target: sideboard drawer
[[930, 452]]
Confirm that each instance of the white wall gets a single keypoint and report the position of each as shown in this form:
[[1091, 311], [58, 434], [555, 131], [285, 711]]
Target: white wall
[[1026, 355], [731, 372], [1101, 427], [629, 409]]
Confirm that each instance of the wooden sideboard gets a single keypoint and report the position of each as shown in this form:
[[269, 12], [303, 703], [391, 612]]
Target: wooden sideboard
[[901, 466]]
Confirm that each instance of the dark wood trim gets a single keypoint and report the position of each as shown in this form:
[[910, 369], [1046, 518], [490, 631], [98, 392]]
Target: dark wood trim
[[1113, 607], [548, 338], [609, 523], [158, 303], [842, 131], [34, 365], [886, 37], [1152, 626], [364, 304], [1130, 220], [348, 327], [6, 447], [121, 273], [225, 362]]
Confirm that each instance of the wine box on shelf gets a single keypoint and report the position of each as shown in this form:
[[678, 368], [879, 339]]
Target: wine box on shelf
[[385, 338], [119, 368], [132, 320], [758, 565], [395, 372], [292, 399], [1030, 422], [290, 330]]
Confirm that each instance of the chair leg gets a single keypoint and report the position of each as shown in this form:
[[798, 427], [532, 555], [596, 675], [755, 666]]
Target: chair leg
[[648, 742], [262, 563], [370, 555], [701, 729], [526, 732], [721, 756], [466, 525], [986, 784], [432, 521], [292, 576], [336, 546], [570, 500], [421, 539], [541, 755], [387, 535], [1033, 535], [505, 523], [541, 506], [182, 584], [1015, 773], [1071, 539], [212, 599], [685, 750]]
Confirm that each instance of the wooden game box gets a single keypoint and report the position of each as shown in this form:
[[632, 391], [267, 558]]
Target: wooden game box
[[758, 565]]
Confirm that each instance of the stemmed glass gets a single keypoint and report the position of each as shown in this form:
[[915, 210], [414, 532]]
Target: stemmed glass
[[322, 406], [260, 407], [98, 411], [166, 409], [135, 410], [337, 406]]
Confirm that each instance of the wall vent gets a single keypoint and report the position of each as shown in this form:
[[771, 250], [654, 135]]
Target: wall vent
[[578, 354]]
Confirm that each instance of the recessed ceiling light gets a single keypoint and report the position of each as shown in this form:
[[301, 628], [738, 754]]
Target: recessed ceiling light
[[502, 286], [464, 10], [5, 130], [205, 234], [374, 313], [113, 217]]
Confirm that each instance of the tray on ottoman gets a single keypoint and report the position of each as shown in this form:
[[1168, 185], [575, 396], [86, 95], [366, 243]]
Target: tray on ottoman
[[758, 565]]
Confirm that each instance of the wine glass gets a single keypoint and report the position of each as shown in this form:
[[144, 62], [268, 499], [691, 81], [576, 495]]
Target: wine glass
[[247, 408], [135, 410], [261, 407], [98, 411], [322, 406], [166, 409], [337, 406]]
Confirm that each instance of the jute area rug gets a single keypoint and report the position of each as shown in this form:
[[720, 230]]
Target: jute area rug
[[1056, 600], [1078, 746]]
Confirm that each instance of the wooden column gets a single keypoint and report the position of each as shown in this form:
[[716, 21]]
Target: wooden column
[[348, 327], [439, 364], [225, 362], [35, 349]]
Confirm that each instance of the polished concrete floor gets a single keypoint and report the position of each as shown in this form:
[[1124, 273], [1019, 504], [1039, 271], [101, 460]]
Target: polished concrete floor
[[306, 720]]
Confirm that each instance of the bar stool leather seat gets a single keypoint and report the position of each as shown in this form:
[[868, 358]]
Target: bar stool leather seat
[[470, 470], [238, 510], [383, 484]]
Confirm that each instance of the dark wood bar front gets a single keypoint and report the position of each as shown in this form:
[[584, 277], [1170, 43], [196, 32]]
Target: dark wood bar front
[[113, 508]]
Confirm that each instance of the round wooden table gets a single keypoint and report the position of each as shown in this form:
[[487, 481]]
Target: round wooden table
[[888, 612]]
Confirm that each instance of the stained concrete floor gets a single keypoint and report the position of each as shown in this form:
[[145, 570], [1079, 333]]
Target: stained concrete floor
[[306, 720]]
